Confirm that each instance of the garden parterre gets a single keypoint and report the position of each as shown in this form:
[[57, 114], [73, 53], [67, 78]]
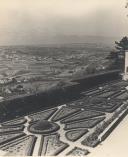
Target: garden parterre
[[80, 124]]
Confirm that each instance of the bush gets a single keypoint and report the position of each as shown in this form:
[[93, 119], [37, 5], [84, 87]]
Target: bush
[[91, 69], [91, 140]]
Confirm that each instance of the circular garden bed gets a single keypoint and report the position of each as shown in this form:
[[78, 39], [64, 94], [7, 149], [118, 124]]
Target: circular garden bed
[[43, 127]]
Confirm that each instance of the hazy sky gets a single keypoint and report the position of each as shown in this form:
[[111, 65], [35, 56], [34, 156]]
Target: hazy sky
[[44, 21]]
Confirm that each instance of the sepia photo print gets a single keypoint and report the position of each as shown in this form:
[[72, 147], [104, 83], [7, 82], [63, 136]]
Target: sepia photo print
[[64, 78]]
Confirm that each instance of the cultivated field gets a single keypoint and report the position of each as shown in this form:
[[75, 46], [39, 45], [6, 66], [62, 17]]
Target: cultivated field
[[35, 68]]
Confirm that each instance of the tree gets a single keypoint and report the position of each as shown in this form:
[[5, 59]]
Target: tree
[[122, 45], [117, 56]]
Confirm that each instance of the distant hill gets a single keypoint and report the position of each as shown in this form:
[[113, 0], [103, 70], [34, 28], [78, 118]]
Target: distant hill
[[85, 39], [74, 40]]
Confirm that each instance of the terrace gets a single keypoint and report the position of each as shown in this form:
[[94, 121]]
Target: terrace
[[73, 128]]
